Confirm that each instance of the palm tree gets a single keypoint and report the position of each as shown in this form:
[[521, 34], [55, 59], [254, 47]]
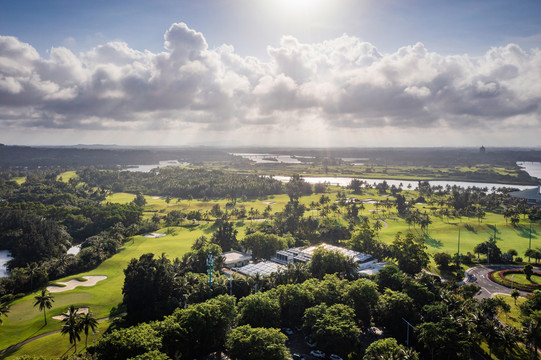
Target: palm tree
[[72, 325], [32, 269], [45, 301], [515, 294], [377, 226], [4, 309], [88, 322]]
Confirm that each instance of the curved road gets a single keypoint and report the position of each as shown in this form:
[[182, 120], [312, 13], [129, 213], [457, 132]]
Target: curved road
[[479, 275]]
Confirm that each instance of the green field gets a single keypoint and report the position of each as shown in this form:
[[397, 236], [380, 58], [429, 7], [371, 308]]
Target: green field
[[66, 176], [25, 321], [19, 180], [57, 345], [442, 234]]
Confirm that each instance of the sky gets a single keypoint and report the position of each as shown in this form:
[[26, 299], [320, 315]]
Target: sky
[[307, 73]]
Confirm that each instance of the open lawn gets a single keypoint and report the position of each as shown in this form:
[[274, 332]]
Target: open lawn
[[25, 321], [57, 345], [512, 318], [66, 176], [19, 180]]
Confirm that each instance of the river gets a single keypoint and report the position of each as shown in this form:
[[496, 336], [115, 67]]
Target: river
[[532, 168], [5, 256], [344, 181], [147, 168], [272, 158]]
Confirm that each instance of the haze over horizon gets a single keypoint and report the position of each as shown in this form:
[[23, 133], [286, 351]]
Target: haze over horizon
[[306, 73]]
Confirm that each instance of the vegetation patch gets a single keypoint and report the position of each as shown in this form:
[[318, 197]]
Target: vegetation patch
[[501, 277]]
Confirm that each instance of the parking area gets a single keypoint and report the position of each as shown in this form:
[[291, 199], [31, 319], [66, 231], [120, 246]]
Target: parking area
[[297, 343]]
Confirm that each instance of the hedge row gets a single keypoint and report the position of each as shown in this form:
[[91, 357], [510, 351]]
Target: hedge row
[[500, 278]]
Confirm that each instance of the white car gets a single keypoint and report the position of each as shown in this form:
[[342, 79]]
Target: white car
[[335, 357], [318, 354]]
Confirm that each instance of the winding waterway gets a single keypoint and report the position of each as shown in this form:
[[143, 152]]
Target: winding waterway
[[345, 181], [532, 168]]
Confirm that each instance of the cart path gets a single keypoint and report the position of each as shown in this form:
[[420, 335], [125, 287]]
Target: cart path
[[16, 346]]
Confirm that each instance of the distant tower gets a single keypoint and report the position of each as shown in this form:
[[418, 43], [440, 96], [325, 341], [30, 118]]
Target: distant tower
[[482, 149]]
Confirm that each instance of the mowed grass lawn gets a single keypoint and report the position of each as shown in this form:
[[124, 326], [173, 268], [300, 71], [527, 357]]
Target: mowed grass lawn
[[56, 345], [66, 176], [442, 234], [25, 321]]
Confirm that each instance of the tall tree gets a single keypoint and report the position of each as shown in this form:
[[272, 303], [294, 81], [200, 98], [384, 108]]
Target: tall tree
[[72, 325], [259, 310], [389, 349], [410, 251], [44, 301], [148, 288], [247, 343], [88, 322], [225, 236]]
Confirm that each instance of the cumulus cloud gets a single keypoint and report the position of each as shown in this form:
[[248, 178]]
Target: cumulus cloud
[[338, 83]]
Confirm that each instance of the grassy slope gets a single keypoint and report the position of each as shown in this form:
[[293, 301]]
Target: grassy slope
[[512, 318], [57, 345], [25, 321]]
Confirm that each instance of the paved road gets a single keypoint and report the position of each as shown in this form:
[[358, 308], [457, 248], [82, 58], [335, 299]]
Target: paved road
[[479, 275]]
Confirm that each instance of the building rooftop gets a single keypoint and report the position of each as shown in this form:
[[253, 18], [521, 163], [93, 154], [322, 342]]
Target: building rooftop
[[232, 257], [262, 268], [357, 256], [304, 255], [529, 194]]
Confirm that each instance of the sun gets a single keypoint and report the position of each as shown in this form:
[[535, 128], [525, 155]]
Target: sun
[[299, 8], [299, 5]]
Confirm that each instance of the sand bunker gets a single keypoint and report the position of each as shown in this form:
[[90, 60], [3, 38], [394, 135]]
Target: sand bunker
[[269, 202], [154, 235], [80, 311], [72, 284]]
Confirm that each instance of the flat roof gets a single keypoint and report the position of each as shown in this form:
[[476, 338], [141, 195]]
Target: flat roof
[[235, 256], [346, 252], [530, 194], [262, 268]]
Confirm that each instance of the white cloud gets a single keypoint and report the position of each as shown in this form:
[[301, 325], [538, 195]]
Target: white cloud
[[338, 83]]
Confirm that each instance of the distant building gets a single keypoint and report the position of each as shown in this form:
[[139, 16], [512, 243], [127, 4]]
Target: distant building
[[261, 268], [533, 196], [236, 259], [365, 263], [482, 149], [300, 255]]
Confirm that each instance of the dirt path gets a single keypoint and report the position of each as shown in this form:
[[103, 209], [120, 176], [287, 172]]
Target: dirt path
[[16, 346]]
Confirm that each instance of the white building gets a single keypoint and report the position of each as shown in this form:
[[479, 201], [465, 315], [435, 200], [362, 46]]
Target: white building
[[236, 259]]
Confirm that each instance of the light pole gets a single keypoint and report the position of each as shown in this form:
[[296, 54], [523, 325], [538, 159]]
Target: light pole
[[408, 325], [209, 267]]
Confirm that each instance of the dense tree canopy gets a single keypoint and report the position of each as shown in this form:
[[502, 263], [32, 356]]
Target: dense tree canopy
[[247, 343]]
